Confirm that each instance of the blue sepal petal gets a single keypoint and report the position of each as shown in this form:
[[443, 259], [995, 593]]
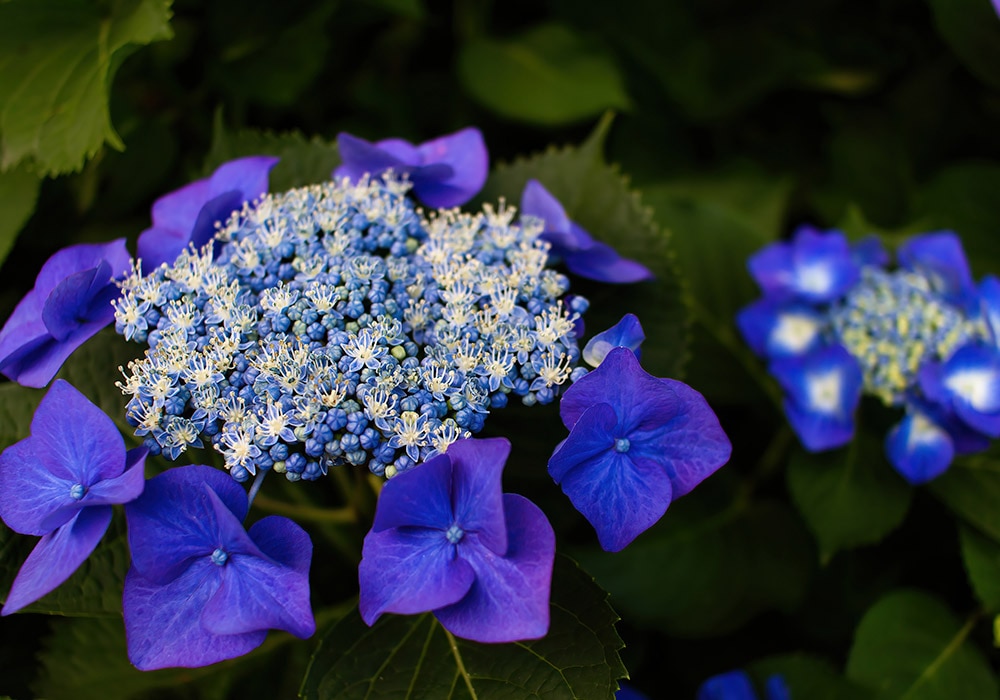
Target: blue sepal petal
[[918, 448], [775, 329], [940, 257], [627, 333], [733, 685]]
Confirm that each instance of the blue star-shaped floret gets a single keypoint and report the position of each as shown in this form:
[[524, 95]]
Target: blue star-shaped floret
[[187, 216], [201, 588], [968, 384], [446, 539], [582, 254], [60, 483], [776, 329], [446, 172], [815, 267], [636, 442], [736, 685]]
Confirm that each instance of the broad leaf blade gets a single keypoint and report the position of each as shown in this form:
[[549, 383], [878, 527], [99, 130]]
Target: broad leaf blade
[[848, 497], [982, 562], [57, 62], [910, 645], [18, 193], [971, 489], [597, 197], [412, 656]]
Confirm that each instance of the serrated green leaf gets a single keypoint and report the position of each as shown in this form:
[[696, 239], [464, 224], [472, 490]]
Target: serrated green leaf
[[94, 590], [982, 563], [598, 198], [547, 75], [809, 677], [17, 406], [715, 225], [971, 489], [910, 645], [94, 369], [848, 497], [57, 62], [18, 194], [413, 656], [303, 161], [698, 574], [971, 29]]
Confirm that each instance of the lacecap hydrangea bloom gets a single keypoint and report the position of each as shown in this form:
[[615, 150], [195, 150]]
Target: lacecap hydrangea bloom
[[60, 484], [336, 324], [836, 321]]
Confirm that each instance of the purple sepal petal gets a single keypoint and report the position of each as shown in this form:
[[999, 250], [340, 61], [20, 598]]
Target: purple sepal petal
[[80, 257], [509, 600], [602, 263], [56, 556], [775, 329], [627, 333], [124, 488], [162, 621], [823, 390], [918, 448], [188, 215], [359, 157], [408, 571], [734, 685], [870, 251], [477, 492], [419, 497], [74, 439], [939, 256], [257, 593], [84, 296], [538, 202], [620, 497], [174, 521], [30, 494]]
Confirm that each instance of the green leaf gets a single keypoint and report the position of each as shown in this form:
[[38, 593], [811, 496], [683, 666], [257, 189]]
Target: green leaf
[[578, 658], [963, 198], [910, 645], [94, 369], [971, 489], [808, 677], [716, 223], [94, 590], [303, 161], [848, 497], [17, 406], [971, 29], [598, 198], [703, 574], [57, 62], [982, 562], [18, 194], [547, 75]]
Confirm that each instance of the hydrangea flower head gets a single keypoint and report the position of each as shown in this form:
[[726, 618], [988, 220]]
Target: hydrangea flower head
[[336, 324], [814, 266], [60, 483], [201, 588], [446, 172], [582, 254], [70, 302], [736, 685], [446, 539], [187, 217], [636, 443], [921, 337]]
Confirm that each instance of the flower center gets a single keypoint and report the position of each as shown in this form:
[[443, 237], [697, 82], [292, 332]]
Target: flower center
[[455, 534], [891, 322], [220, 557], [622, 445], [77, 491]]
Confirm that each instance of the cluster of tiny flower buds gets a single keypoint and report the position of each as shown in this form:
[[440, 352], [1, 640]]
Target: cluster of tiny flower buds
[[336, 324]]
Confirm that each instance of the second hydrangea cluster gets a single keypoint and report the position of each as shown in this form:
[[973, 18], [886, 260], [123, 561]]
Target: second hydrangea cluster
[[336, 324], [836, 321]]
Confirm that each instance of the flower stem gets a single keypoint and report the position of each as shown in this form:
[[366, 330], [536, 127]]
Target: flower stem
[[319, 515]]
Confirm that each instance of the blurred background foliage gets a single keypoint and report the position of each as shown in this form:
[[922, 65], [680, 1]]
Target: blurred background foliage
[[734, 121]]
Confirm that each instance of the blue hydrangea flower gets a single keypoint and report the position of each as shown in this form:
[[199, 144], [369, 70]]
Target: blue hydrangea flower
[[188, 216], [814, 266], [582, 254], [201, 588], [636, 443], [70, 302], [922, 338], [446, 539], [446, 172], [627, 333], [60, 483], [736, 685], [336, 324]]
